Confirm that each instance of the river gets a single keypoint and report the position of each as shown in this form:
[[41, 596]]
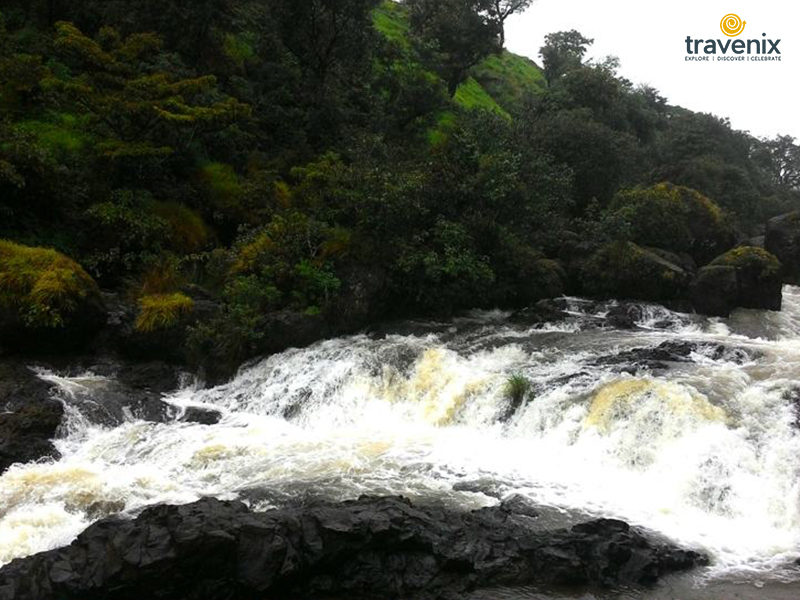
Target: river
[[705, 451]]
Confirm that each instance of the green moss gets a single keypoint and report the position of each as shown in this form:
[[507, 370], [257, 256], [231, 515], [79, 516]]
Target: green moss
[[751, 258], [40, 286], [162, 311], [471, 96], [625, 270]]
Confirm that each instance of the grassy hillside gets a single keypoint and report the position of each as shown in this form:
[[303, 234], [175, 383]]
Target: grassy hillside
[[499, 84]]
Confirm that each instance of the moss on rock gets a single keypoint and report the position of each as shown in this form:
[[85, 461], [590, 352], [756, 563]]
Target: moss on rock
[[745, 277], [626, 270], [42, 288], [674, 218], [762, 263]]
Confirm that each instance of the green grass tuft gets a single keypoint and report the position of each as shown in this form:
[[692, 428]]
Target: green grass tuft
[[516, 388], [43, 287], [162, 311]]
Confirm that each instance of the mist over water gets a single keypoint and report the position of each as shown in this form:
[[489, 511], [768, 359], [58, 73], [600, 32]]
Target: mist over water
[[705, 451]]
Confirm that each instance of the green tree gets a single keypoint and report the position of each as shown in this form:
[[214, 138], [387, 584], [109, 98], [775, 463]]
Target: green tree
[[562, 52], [502, 9], [138, 108], [455, 35]]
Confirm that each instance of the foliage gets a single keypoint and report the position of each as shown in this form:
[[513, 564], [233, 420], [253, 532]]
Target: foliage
[[471, 95], [623, 269], [335, 161], [511, 80], [562, 52], [674, 218], [516, 388], [162, 311], [751, 258], [42, 287], [138, 110], [455, 35]]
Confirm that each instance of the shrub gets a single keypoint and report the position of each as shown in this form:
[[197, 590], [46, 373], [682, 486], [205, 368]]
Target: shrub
[[673, 218], [187, 231], [625, 270], [751, 258], [516, 388], [41, 287], [162, 311], [124, 233]]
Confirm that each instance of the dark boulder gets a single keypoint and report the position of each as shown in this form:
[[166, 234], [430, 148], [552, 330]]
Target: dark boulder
[[48, 302], [659, 357], [124, 390], [29, 416], [627, 271], [543, 311], [715, 291], [783, 240], [745, 277], [369, 548], [201, 416]]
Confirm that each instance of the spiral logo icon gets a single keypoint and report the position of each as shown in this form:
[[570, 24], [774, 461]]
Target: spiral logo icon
[[732, 25]]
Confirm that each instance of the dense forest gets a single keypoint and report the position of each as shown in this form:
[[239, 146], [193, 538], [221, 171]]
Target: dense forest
[[225, 178]]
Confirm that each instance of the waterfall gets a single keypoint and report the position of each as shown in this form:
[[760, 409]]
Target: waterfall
[[704, 450]]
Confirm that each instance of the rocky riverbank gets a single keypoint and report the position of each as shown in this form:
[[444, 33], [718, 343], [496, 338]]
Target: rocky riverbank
[[369, 548]]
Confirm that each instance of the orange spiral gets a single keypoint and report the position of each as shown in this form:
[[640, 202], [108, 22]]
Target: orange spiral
[[732, 25]]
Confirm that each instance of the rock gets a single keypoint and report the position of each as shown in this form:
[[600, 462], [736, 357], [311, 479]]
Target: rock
[[29, 416], [678, 219], [758, 241], [48, 303], [201, 416], [655, 358], [745, 277], [681, 259], [544, 311], [623, 316], [783, 240], [134, 389], [627, 271], [368, 548], [715, 291]]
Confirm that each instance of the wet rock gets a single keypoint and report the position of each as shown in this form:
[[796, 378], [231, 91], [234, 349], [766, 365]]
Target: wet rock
[[658, 357], [201, 416], [487, 486], [793, 395], [544, 311], [745, 277], [783, 240], [625, 270], [714, 291], [29, 416], [369, 548], [623, 316], [682, 259]]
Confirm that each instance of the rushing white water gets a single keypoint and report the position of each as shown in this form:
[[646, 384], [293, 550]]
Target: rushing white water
[[704, 451]]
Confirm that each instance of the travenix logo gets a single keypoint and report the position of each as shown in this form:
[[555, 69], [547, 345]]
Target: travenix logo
[[732, 25], [761, 49]]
